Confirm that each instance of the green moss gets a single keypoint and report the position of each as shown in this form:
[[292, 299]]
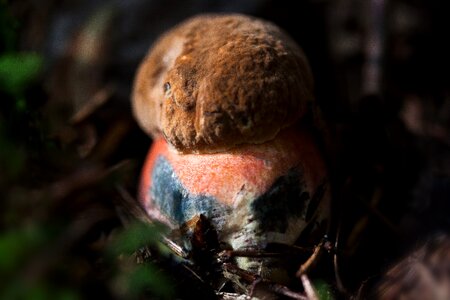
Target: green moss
[[16, 245], [324, 290], [17, 72], [136, 236], [146, 277]]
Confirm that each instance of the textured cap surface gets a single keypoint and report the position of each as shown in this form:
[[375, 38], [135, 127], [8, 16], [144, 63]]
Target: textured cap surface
[[216, 81]]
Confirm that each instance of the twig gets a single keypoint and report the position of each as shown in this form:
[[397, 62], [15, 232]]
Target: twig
[[249, 253], [289, 250], [362, 288], [178, 250], [273, 287], [339, 283], [135, 210], [232, 296], [305, 266], [309, 289], [193, 273], [283, 290], [97, 100], [130, 208]]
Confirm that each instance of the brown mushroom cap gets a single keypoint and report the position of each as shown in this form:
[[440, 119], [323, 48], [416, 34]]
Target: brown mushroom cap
[[216, 81]]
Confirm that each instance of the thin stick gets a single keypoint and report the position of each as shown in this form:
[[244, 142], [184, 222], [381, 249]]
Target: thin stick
[[178, 250], [273, 287], [305, 266], [339, 283], [193, 273], [309, 289], [227, 254]]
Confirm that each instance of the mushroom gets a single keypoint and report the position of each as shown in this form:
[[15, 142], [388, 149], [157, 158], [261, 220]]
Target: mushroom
[[215, 82], [223, 97]]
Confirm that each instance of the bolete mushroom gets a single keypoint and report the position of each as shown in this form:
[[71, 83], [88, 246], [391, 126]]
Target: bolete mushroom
[[223, 97], [215, 82]]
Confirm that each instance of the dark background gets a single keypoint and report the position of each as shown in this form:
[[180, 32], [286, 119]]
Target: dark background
[[70, 151]]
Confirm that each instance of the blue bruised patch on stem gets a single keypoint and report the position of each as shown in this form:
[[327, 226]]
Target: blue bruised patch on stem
[[175, 202], [285, 199]]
